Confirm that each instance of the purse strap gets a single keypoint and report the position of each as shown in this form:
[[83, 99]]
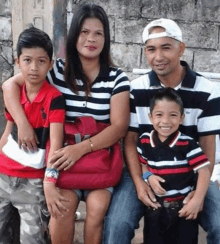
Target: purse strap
[[86, 125]]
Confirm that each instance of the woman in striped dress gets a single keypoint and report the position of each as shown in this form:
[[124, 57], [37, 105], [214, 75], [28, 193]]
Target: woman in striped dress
[[92, 86]]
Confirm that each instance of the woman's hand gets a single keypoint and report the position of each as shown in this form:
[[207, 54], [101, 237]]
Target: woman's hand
[[66, 157], [154, 182], [54, 200], [27, 138]]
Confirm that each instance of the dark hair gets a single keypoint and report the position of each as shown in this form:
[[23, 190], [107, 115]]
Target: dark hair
[[32, 38], [73, 66], [168, 94]]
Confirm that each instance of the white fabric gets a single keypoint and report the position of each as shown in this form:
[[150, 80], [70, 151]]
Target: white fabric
[[31, 159]]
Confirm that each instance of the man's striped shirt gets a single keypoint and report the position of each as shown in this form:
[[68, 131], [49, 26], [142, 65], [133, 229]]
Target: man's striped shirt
[[201, 99]]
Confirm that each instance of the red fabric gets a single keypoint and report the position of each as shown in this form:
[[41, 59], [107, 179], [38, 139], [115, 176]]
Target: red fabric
[[95, 170]]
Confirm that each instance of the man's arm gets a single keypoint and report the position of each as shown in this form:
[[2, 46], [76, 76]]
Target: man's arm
[[207, 143], [144, 192]]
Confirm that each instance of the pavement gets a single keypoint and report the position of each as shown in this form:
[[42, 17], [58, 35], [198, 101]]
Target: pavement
[[138, 239]]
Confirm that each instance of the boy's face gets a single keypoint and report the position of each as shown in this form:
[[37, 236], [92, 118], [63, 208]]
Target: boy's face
[[166, 118], [34, 64]]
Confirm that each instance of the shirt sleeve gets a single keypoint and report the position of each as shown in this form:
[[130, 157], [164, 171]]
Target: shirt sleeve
[[57, 72], [57, 110], [195, 156], [121, 82], [209, 120], [133, 125], [8, 115]]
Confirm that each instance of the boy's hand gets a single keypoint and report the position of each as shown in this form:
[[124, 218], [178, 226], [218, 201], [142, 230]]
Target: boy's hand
[[27, 139], [154, 182], [54, 200], [191, 209], [66, 157], [146, 195]]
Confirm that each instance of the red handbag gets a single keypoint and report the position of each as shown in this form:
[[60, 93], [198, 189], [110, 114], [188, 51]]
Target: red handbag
[[95, 170]]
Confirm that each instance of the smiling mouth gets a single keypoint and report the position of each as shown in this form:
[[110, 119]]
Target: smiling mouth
[[91, 48], [161, 66]]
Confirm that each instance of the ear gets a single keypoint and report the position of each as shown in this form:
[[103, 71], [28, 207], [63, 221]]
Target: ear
[[51, 65], [17, 62], [150, 117], [182, 118], [182, 48]]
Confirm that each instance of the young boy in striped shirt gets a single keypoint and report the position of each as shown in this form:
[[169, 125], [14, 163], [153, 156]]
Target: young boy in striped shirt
[[171, 162]]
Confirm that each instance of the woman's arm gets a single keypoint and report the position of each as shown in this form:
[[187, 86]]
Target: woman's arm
[[11, 95], [119, 119]]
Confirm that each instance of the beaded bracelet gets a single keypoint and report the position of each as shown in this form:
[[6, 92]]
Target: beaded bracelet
[[51, 175]]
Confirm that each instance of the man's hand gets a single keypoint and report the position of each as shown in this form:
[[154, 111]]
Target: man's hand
[[191, 209], [146, 195]]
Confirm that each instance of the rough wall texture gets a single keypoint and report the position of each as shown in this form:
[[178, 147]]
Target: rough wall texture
[[198, 19]]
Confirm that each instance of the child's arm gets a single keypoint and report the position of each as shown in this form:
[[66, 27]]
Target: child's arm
[[154, 181], [7, 131], [53, 197], [11, 95], [195, 204]]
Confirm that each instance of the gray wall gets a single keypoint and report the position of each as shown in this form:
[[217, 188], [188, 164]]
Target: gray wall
[[198, 19]]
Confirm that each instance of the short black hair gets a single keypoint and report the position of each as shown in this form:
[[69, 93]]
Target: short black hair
[[33, 37], [168, 94]]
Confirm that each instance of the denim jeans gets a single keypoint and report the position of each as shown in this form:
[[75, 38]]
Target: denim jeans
[[126, 210], [164, 226]]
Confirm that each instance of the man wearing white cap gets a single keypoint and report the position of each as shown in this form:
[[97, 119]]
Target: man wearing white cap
[[163, 49]]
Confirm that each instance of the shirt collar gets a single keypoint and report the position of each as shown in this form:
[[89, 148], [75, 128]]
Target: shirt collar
[[170, 141], [40, 95], [188, 80]]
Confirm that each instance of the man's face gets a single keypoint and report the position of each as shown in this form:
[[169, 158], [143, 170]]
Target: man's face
[[163, 53]]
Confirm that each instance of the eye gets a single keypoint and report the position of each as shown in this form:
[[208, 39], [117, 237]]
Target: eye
[[150, 49], [41, 61], [99, 33], [84, 31], [173, 115], [158, 115], [27, 60]]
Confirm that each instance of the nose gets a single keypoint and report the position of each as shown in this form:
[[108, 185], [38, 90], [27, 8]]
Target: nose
[[165, 119], [158, 55], [91, 37], [34, 66]]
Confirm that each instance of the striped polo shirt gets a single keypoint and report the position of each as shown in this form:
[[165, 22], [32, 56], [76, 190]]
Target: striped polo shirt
[[201, 100], [47, 107], [110, 81], [176, 160]]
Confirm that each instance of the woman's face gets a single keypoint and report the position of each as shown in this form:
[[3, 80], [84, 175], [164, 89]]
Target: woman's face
[[91, 39]]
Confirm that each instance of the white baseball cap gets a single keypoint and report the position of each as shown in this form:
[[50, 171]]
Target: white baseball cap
[[171, 30]]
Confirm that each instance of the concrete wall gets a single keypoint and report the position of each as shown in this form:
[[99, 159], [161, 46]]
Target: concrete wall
[[198, 19]]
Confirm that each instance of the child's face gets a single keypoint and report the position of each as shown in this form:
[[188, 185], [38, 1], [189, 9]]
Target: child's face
[[34, 64], [166, 118]]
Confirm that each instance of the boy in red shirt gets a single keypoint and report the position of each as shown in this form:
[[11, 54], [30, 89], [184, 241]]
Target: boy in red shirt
[[22, 171]]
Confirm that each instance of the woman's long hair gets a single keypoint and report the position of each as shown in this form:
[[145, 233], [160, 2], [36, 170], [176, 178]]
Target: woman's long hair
[[73, 67]]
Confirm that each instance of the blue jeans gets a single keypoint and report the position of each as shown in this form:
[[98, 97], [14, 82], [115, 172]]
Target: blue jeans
[[126, 210]]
